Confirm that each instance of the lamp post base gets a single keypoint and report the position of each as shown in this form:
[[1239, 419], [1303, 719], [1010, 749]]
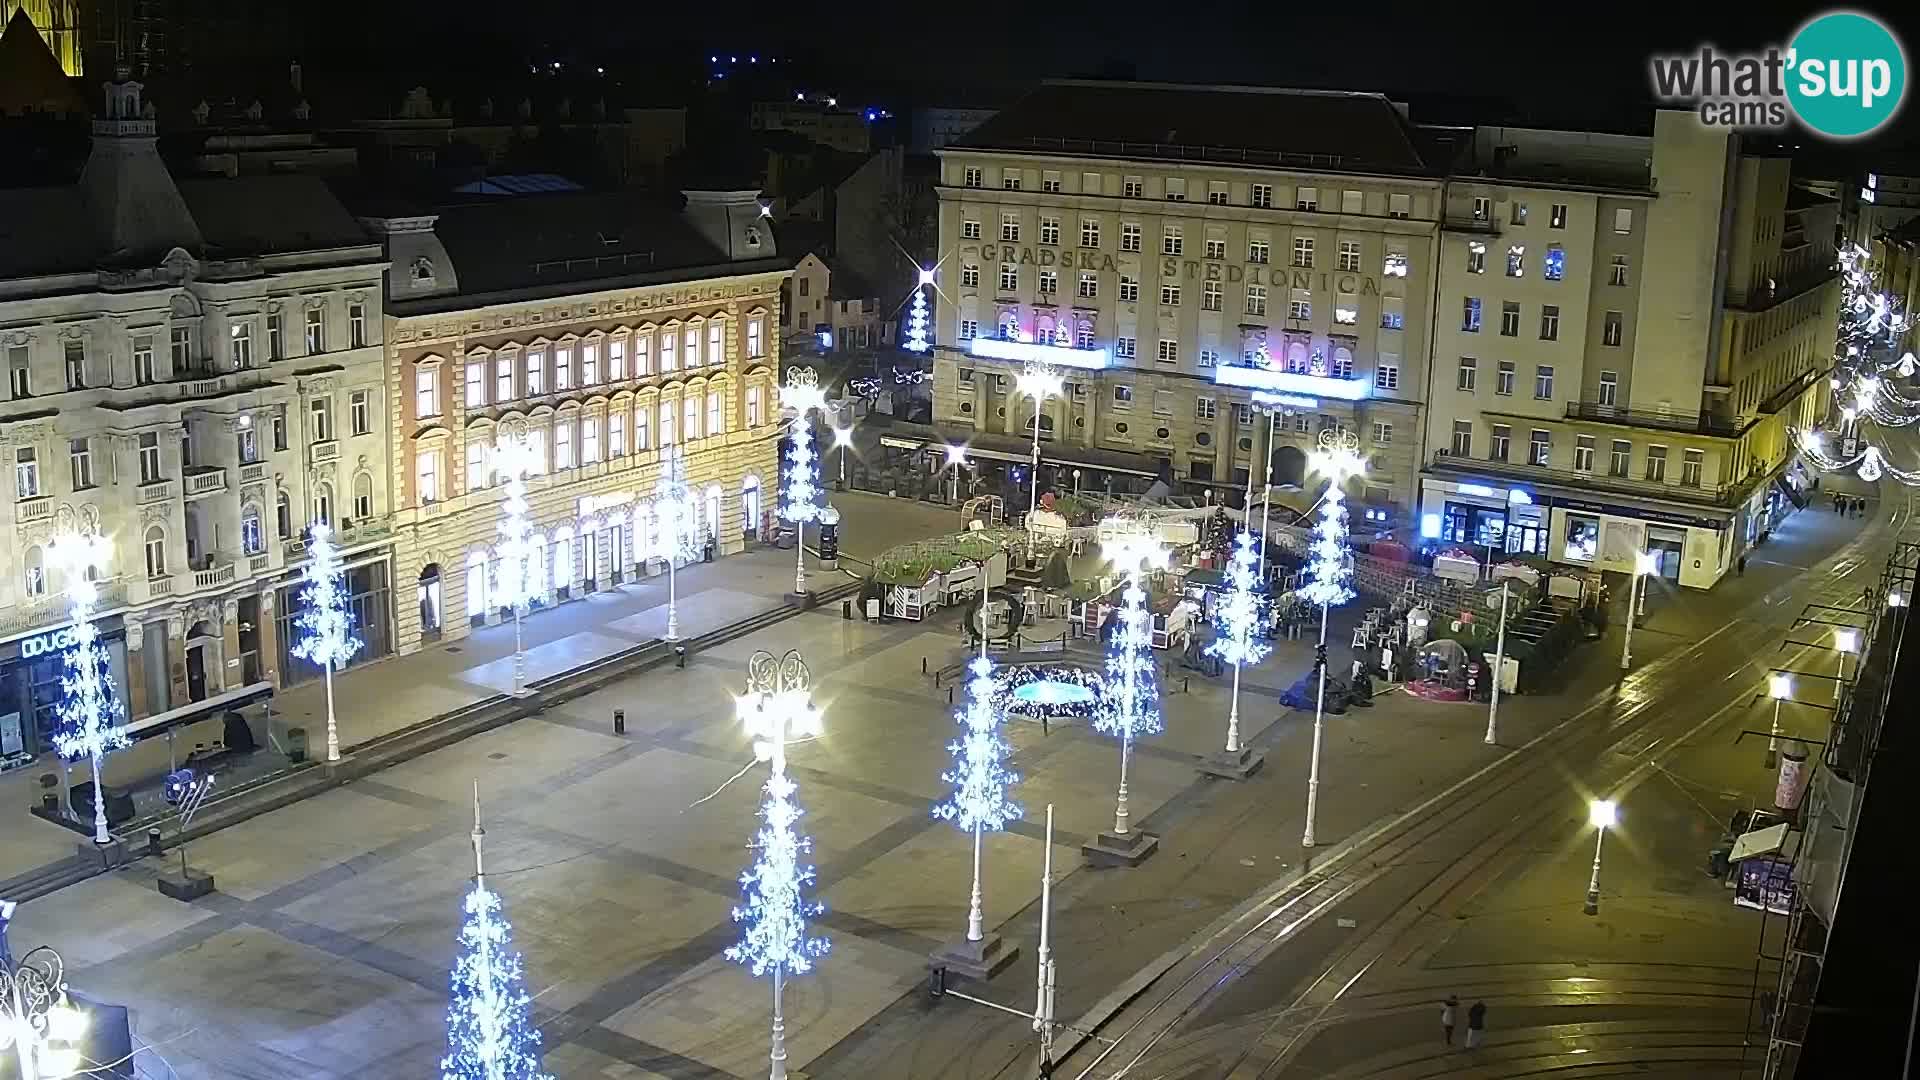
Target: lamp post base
[[977, 960], [1593, 902], [1110, 849], [1237, 765], [186, 884], [801, 600]]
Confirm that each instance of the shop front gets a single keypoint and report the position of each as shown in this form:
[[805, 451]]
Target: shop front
[[1500, 519], [371, 604], [31, 668]]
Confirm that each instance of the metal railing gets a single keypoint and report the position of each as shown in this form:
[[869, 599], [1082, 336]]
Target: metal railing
[[1693, 423], [1715, 495]]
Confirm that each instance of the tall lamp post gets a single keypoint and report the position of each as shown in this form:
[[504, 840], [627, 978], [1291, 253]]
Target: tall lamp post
[[1643, 564], [1846, 642], [676, 540], [1038, 382], [1338, 459], [1499, 666], [1131, 701], [1238, 618], [516, 458], [842, 440], [802, 394], [1274, 409], [1602, 814], [956, 460], [1779, 688], [978, 804], [90, 713], [37, 1022], [777, 707]]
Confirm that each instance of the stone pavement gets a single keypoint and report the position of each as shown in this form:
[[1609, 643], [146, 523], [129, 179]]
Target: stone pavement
[[397, 692]]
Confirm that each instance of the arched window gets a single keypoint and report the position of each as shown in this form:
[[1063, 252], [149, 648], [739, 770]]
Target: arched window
[[36, 572], [253, 535], [1342, 362], [282, 514], [477, 584], [156, 546], [1009, 326], [362, 496], [1297, 357]]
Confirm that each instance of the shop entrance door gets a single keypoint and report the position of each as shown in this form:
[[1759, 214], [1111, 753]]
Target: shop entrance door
[[196, 672]]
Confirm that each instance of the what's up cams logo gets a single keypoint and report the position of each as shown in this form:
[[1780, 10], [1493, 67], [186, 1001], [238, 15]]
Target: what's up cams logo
[[1844, 75]]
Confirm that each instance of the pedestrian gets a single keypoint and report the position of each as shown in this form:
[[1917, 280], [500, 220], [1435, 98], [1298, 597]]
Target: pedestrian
[[1476, 1024], [1447, 1008], [1742, 566]]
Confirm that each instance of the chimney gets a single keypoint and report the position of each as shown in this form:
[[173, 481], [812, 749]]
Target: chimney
[[733, 221]]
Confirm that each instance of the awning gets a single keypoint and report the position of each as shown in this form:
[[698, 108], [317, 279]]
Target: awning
[[161, 723], [1793, 494], [1767, 841]]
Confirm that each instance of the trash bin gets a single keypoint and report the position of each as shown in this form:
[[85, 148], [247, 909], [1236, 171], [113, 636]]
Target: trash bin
[[1717, 864], [296, 745]]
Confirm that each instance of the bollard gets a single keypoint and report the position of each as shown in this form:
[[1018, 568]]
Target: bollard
[[619, 721], [680, 656], [949, 695], [1186, 684], [923, 665], [846, 610], [153, 840]]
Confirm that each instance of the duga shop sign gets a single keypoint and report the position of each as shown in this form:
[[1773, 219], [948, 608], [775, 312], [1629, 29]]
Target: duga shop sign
[[51, 641]]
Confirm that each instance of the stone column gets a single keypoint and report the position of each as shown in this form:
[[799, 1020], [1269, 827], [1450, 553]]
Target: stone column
[[135, 692], [230, 676], [177, 656], [269, 637]]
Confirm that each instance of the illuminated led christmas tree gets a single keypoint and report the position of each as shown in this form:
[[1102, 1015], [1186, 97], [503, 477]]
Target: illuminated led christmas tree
[[1329, 571], [917, 340], [90, 714], [490, 1030], [980, 777], [676, 534], [1131, 707], [325, 623], [802, 394], [1238, 618]]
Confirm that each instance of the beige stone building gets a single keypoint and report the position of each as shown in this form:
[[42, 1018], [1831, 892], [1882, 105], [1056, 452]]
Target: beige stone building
[[1626, 327], [1178, 248], [194, 373], [608, 327]]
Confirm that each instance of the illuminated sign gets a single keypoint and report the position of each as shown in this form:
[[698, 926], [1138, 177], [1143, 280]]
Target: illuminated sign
[[998, 349], [1259, 378], [1481, 490], [1289, 400], [52, 641]]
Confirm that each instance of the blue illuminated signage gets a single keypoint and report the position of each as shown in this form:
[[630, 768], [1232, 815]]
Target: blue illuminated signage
[[51, 641], [1290, 382], [1000, 349]]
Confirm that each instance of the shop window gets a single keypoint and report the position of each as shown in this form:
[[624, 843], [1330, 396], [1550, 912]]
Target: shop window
[[1582, 540]]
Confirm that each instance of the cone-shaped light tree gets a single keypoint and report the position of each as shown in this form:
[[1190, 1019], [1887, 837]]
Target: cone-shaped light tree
[[1131, 703], [1238, 617], [490, 1030], [802, 394], [326, 623], [90, 712], [980, 777]]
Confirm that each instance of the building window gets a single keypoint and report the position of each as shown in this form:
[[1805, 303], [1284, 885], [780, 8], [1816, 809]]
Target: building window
[[149, 453], [973, 177], [362, 497], [1395, 262], [1217, 193], [1691, 463], [1469, 373], [969, 276], [1382, 433], [969, 230], [1010, 228], [1050, 231], [1216, 248], [1470, 315], [1050, 183], [478, 475], [1386, 376], [1207, 359], [1621, 459], [1129, 236], [1122, 396], [756, 339], [1300, 304], [143, 373], [1543, 382], [969, 329], [503, 378], [1610, 330], [1346, 309], [1123, 347], [426, 393], [1540, 448], [1258, 251], [1516, 260], [1049, 281], [563, 443], [1502, 442], [1393, 313], [1519, 213], [1170, 295], [1554, 266], [1656, 463], [476, 383], [1504, 379], [276, 336], [1609, 387], [1204, 408], [26, 474], [357, 325], [1010, 180], [1090, 183], [1623, 220], [1083, 335], [667, 420], [1550, 322], [1349, 257], [360, 412], [1463, 438], [1306, 198], [1476, 257], [1482, 208], [716, 416], [1171, 240], [180, 348], [316, 331], [80, 457], [76, 363], [1210, 296], [321, 412], [643, 413], [1169, 351], [590, 357], [1303, 251], [1162, 406], [1009, 277], [1583, 453], [1133, 187], [1129, 290], [536, 376], [1619, 276], [426, 473], [156, 551], [589, 440], [1399, 206], [1260, 195], [1509, 319], [1089, 287], [1089, 233], [282, 514], [563, 362]]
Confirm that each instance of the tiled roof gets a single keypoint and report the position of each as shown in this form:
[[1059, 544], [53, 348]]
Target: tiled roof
[[268, 215], [1229, 124]]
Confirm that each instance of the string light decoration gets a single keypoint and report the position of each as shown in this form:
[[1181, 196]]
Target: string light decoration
[[90, 713], [917, 330], [515, 457], [980, 777], [1871, 325], [776, 708], [677, 535], [325, 624], [1131, 705], [1337, 458], [802, 394], [490, 1029], [1238, 618]]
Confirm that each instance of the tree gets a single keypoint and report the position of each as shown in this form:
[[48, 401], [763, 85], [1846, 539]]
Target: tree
[[325, 624], [490, 1030], [89, 712], [980, 777]]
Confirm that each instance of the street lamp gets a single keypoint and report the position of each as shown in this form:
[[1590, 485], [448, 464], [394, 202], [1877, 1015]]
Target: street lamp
[[1846, 642], [842, 439], [1134, 547], [1038, 382], [1274, 411], [1779, 688], [1499, 666], [1643, 564], [802, 394], [1338, 459], [1076, 482], [1602, 814], [956, 458], [36, 1020], [676, 538], [515, 457]]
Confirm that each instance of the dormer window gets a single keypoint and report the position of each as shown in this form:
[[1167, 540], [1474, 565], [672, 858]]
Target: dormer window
[[422, 273], [753, 236]]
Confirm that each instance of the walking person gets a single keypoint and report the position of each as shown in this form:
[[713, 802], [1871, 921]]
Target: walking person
[[1447, 1008], [1476, 1025]]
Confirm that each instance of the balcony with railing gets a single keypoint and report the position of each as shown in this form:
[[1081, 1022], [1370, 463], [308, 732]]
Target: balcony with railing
[[1690, 423], [1770, 292], [1714, 495], [37, 508], [1468, 222], [205, 480], [153, 491], [213, 574], [322, 452]]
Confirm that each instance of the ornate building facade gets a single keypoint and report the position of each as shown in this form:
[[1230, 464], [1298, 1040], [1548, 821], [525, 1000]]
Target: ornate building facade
[[606, 328]]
